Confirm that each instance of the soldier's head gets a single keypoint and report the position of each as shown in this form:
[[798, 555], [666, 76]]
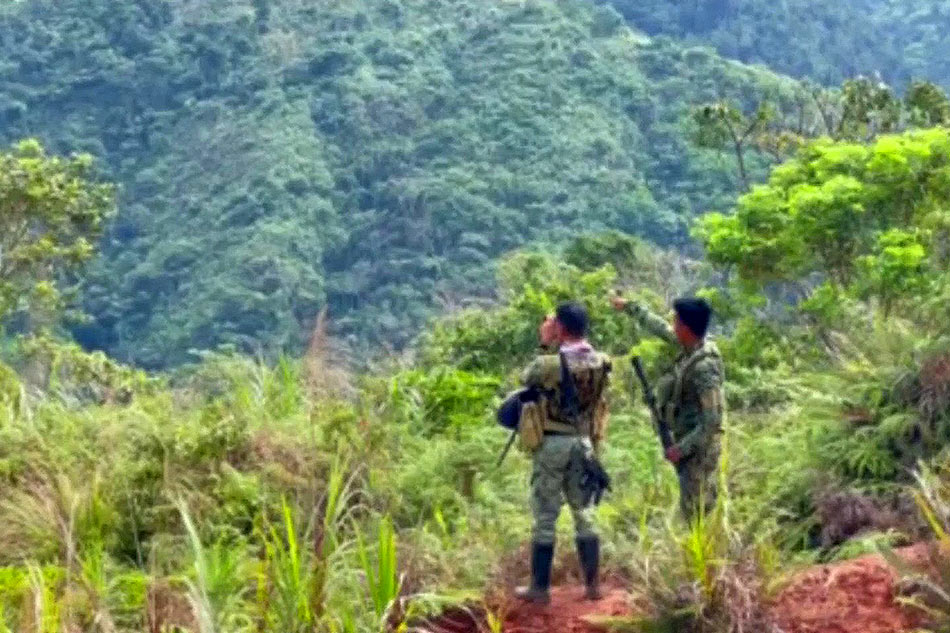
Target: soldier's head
[[692, 320], [571, 321]]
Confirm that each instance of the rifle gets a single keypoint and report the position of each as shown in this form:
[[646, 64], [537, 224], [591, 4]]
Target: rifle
[[504, 452], [662, 428], [595, 479]]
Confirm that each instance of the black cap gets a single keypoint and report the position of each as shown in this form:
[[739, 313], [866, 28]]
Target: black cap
[[573, 317], [694, 313]]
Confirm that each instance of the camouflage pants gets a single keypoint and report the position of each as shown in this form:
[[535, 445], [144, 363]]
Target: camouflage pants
[[557, 474], [698, 476]]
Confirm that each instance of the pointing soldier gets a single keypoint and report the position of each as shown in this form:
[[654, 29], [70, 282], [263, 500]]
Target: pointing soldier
[[690, 397]]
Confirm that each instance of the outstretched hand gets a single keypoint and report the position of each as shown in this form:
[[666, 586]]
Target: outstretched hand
[[674, 454]]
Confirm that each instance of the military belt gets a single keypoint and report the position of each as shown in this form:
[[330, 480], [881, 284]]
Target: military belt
[[559, 428]]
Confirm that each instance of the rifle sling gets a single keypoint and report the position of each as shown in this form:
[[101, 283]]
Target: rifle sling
[[700, 354]]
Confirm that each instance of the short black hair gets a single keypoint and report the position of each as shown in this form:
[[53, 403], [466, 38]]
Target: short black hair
[[573, 317], [694, 313]]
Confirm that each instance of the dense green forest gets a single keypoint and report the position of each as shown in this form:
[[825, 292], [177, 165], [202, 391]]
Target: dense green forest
[[826, 42], [218, 217], [376, 157], [274, 159]]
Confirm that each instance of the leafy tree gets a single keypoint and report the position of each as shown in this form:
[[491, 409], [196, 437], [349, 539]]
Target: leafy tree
[[51, 216], [897, 268], [868, 108], [860, 110], [721, 125], [496, 338], [928, 104], [851, 216], [841, 247]]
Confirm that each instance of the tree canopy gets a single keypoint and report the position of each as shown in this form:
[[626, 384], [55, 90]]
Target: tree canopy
[[51, 217], [275, 158], [868, 221], [824, 41], [377, 158]]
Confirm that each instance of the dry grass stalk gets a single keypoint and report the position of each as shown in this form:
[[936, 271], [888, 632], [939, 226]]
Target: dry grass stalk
[[324, 368]]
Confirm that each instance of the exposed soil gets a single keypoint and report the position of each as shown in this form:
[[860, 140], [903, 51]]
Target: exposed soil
[[856, 596], [567, 613]]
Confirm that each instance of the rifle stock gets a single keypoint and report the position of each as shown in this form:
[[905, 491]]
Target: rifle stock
[[662, 428]]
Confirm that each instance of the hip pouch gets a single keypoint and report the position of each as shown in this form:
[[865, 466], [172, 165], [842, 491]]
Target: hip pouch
[[531, 428]]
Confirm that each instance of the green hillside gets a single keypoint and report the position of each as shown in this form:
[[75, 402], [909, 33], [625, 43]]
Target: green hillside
[[277, 157], [823, 41]]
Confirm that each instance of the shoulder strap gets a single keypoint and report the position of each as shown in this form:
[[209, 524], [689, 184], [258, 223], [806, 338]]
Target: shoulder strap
[[708, 350], [569, 404], [606, 368]]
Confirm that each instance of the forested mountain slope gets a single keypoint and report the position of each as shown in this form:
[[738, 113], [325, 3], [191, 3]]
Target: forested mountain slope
[[815, 39], [279, 156]]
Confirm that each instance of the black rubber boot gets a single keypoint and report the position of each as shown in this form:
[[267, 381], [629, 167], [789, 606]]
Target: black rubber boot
[[542, 555], [588, 552]]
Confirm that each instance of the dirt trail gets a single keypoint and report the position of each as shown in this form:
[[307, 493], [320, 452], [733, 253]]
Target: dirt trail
[[856, 596], [567, 613]]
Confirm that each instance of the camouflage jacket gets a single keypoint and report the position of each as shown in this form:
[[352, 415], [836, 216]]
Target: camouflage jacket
[[690, 393], [591, 372]]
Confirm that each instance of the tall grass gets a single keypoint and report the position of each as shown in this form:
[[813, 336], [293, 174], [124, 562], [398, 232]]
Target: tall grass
[[217, 588], [298, 559], [708, 575], [926, 587], [702, 577], [382, 574], [42, 613], [291, 597]]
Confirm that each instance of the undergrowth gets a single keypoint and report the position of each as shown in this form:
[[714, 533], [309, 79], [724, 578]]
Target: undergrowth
[[240, 496]]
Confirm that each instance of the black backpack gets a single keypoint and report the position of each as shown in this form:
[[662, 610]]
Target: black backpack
[[509, 413]]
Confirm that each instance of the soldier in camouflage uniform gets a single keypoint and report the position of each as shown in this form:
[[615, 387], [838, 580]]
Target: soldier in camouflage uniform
[[558, 463], [690, 397]]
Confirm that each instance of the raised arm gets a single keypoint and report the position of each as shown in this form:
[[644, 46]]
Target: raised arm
[[652, 323]]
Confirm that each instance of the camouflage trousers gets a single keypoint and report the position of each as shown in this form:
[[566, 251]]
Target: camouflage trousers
[[557, 476], [698, 477]]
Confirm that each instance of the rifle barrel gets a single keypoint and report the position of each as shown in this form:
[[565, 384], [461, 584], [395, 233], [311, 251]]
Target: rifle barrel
[[504, 453]]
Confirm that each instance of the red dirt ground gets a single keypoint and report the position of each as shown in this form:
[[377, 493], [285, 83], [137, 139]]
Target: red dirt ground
[[567, 613], [856, 596]]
